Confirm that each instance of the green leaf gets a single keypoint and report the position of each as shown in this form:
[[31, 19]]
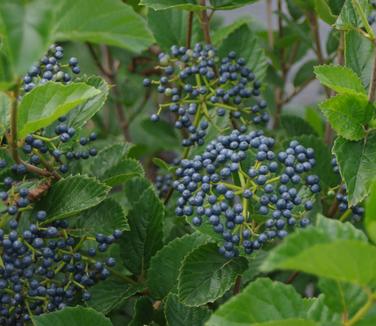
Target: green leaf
[[79, 116], [107, 158], [72, 316], [254, 262], [331, 260], [296, 126], [102, 21], [123, 171], [319, 311], [46, 103], [332, 42], [370, 219], [336, 6], [145, 219], [348, 114], [359, 54], [213, 273], [110, 294], [72, 195], [342, 297], [315, 119], [173, 31], [162, 164], [305, 4], [305, 73], [247, 45], [325, 250], [27, 29], [143, 312], [339, 78], [156, 135], [166, 4], [164, 266], [323, 10], [349, 18], [230, 4], [357, 165], [5, 103], [222, 33], [260, 302], [325, 231], [103, 218], [178, 314]]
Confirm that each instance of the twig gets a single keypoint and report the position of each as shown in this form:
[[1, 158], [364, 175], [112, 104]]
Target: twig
[[97, 61], [205, 23], [189, 30], [292, 277], [372, 87], [237, 286], [269, 16], [297, 91], [316, 35], [13, 128], [280, 90]]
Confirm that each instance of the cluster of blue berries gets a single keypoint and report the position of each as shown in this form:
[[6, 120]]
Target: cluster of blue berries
[[247, 192], [62, 148], [199, 85], [356, 212], [50, 68], [163, 183], [45, 268]]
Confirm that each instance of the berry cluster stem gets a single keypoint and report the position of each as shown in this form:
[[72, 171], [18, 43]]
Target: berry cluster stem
[[205, 23]]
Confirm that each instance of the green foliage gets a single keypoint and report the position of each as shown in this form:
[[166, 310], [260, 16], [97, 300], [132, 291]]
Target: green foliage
[[165, 265], [145, 221], [356, 172], [214, 273], [120, 26], [339, 79], [72, 316], [177, 314], [72, 195], [261, 302], [83, 149], [348, 114], [44, 104]]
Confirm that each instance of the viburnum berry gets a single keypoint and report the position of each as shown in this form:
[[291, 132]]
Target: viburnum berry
[[45, 268], [248, 193], [356, 212], [50, 68], [200, 86]]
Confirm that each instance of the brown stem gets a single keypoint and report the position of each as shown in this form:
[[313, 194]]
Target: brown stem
[[12, 138], [341, 49], [205, 23], [269, 16], [189, 30], [372, 86], [97, 60], [237, 286], [13, 128], [318, 49], [297, 91], [108, 71], [292, 277], [280, 90]]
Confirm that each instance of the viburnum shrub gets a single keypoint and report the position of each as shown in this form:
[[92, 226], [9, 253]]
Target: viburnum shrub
[[160, 165]]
